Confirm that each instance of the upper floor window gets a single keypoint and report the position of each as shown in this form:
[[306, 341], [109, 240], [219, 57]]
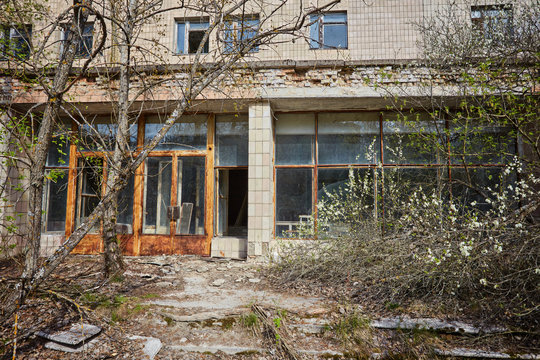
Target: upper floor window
[[15, 41], [239, 32], [329, 31], [189, 36], [492, 22], [85, 40]]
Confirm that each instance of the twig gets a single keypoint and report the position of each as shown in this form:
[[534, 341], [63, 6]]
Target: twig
[[277, 335]]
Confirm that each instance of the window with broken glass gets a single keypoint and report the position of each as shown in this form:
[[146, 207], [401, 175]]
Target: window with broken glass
[[190, 34]]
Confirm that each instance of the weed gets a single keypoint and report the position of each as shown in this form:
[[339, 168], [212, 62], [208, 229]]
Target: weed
[[149, 296], [250, 320], [227, 323], [117, 278], [168, 320]]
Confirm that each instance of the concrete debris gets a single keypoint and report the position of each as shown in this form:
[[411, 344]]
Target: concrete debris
[[151, 346], [218, 282], [203, 316], [72, 349], [255, 280], [309, 328], [433, 324], [76, 334], [471, 353], [213, 349]]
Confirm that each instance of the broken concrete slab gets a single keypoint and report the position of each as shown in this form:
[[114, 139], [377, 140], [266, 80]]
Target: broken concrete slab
[[203, 316], [76, 334], [472, 353], [433, 324], [213, 349], [152, 345], [72, 349]]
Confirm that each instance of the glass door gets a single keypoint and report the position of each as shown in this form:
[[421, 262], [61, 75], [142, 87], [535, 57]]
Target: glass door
[[190, 199], [157, 195]]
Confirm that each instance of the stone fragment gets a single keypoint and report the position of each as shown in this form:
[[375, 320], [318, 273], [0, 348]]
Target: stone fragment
[[218, 282], [255, 280], [151, 346], [71, 349], [432, 324], [76, 334]]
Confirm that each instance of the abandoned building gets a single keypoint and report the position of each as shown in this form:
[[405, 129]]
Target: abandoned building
[[248, 163]]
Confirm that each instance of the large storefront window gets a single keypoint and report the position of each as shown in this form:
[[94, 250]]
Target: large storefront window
[[375, 159]]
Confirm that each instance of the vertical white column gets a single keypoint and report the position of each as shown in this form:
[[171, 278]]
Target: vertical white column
[[260, 179]]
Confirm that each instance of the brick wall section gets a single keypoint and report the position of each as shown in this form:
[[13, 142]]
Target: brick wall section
[[260, 179]]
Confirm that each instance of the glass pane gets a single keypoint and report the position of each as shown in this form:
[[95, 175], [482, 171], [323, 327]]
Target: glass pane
[[232, 140], [349, 138], [413, 139], [101, 135], [180, 38], [314, 32], [157, 195], [125, 208], [58, 153], [344, 196], [293, 200], [481, 144], [55, 194], [90, 177], [400, 183], [188, 134], [295, 134], [335, 17], [191, 195], [335, 36], [470, 185]]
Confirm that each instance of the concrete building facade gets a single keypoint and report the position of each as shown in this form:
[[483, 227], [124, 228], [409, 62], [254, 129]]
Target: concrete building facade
[[248, 163]]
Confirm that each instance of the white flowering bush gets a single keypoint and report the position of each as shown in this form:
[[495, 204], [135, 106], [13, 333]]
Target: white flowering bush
[[425, 243]]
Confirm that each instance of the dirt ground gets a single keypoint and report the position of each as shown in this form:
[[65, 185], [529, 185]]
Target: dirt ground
[[202, 308]]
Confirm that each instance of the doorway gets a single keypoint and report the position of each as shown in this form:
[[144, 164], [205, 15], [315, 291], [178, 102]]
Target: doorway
[[232, 200]]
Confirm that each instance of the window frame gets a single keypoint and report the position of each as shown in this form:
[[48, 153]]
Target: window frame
[[484, 24], [445, 163], [9, 34], [81, 52], [187, 24], [243, 32], [317, 38]]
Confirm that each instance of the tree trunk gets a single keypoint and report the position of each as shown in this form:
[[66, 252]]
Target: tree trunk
[[113, 263], [39, 156]]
